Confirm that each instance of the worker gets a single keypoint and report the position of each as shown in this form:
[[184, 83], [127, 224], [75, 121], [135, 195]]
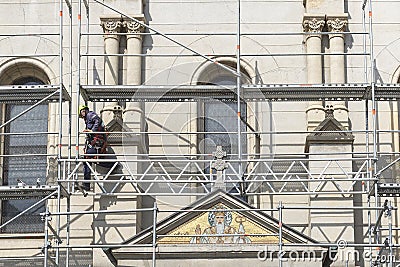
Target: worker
[[96, 143]]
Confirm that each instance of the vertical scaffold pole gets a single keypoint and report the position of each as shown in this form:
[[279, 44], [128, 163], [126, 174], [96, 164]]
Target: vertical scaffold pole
[[60, 136], [369, 230], [78, 85], [366, 101], [374, 115], [85, 2], [389, 214], [365, 43], [372, 59], [46, 236], [70, 82], [238, 85], [58, 224], [60, 109], [154, 242], [68, 229], [280, 254]]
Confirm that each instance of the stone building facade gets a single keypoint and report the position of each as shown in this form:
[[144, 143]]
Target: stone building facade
[[315, 144]]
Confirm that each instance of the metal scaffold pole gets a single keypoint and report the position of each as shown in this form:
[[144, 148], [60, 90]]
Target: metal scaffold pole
[[390, 226], [87, 38], [154, 240], [373, 112], [60, 134], [60, 109], [70, 77], [369, 173], [78, 78], [58, 225], [238, 85], [280, 219], [68, 230], [372, 82], [46, 236]]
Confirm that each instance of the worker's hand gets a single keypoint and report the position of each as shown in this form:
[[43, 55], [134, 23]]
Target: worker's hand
[[86, 130]]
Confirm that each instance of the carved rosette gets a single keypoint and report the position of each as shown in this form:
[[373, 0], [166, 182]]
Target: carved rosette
[[111, 25], [313, 24], [337, 24]]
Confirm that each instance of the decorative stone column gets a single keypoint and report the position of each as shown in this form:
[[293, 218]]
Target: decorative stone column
[[110, 25], [134, 113], [337, 24], [314, 23], [134, 46]]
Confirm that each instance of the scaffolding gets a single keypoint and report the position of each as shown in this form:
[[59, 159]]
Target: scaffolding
[[248, 175]]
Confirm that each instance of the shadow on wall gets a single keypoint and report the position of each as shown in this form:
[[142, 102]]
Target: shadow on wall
[[76, 258]]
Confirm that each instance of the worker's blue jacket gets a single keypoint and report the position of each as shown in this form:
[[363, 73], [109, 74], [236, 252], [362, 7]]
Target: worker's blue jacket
[[95, 123]]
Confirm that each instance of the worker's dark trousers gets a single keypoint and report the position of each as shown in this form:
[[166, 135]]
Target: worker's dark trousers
[[86, 170]]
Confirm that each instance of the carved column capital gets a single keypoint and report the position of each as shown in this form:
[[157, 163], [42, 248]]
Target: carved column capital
[[313, 23], [111, 24], [337, 23], [133, 26]]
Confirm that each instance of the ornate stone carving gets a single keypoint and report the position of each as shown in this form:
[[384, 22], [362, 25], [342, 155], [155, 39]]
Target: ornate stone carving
[[219, 165], [329, 112], [133, 26], [313, 24], [111, 25], [117, 113], [337, 24]]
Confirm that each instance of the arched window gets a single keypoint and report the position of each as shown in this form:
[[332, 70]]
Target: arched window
[[24, 168], [220, 122], [219, 118]]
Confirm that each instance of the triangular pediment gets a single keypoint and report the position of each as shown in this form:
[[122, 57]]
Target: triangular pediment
[[205, 228], [198, 222], [192, 233], [119, 133], [329, 125], [115, 125], [329, 131]]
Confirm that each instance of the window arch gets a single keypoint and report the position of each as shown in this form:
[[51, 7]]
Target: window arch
[[14, 70], [209, 72], [218, 119]]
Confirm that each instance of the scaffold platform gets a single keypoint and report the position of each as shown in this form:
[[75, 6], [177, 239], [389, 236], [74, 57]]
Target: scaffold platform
[[26, 191], [250, 93], [388, 189], [31, 93]]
